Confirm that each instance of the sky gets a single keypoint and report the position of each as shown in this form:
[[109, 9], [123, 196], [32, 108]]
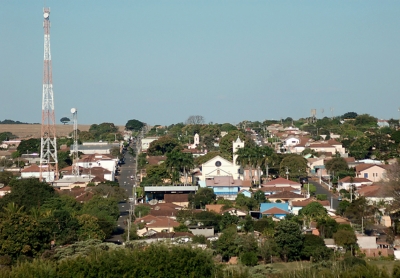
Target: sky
[[226, 60]]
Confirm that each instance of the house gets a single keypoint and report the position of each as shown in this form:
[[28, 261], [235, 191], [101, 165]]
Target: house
[[236, 212], [330, 243], [97, 147], [272, 189], [285, 196], [298, 205], [146, 142], [177, 199], [373, 172], [4, 190], [346, 182], [33, 171], [157, 192], [376, 193], [282, 182], [207, 231], [98, 160], [158, 224], [277, 210], [225, 186], [315, 164]]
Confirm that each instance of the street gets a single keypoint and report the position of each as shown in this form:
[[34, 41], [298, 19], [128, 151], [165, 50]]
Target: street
[[323, 190], [124, 179]]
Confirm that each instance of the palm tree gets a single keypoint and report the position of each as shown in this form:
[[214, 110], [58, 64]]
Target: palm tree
[[177, 163]]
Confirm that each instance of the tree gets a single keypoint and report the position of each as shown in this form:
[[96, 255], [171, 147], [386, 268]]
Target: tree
[[203, 196], [6, 177], [345, 238], [195, 120], [314, 247], [289, 240], [360, 147], [228, 220], [155, 174], [227, 127], [327, 227], [366, 120], [29, 146], [163, 145], [65, 120], [134, 125], [296, 166], [21, 234], [28, 193], [177, 163], [313, 211], [6, 136], [102, 130], [259, 196], [225, 144], [89, 228], [349, 115], [225, 245], [336, 164]]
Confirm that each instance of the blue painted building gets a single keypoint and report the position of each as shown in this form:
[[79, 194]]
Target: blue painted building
[[224, 186]]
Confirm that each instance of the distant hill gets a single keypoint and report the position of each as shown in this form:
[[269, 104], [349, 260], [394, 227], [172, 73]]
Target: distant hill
[[11, 122]]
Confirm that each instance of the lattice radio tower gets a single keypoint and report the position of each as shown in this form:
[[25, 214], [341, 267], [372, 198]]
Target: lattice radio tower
[[48, 141]]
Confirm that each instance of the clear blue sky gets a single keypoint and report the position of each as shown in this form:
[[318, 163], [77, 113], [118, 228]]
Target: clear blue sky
[[227, 60]]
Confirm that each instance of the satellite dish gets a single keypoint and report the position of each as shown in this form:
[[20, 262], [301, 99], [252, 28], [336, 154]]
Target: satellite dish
[[73, 110], [153, 202], [1, 185], [187, 222]]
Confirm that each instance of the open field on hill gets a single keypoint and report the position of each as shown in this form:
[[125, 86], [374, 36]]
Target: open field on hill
[[33, 130]]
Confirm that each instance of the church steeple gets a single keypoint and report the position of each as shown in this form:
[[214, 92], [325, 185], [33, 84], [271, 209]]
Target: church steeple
[[236, 145]]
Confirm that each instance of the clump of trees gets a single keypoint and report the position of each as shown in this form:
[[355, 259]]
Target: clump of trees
[[33, 215]]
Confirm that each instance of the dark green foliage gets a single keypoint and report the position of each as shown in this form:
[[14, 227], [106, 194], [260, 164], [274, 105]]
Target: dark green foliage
[[6, 177], [396, 271], [203, 196], [289, 240], [163, 145], [263, 224], [349, 115], [228, 220], [65, 120], [141, 210], [336, 164], [6, 136], [352, 261], [28, 193], [327, 227], [225, 245], [249, 258], [153, 261], [102, 130], [314, 248], [29, 146], [200, 239], [321, 197], [134, 125], [181, 228]]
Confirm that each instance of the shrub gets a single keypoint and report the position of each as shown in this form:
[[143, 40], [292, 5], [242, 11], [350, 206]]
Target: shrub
[[249, 258]]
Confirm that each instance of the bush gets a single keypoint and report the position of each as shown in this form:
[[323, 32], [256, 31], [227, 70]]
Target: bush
[[249, 258], [200, 239], [322, 197]]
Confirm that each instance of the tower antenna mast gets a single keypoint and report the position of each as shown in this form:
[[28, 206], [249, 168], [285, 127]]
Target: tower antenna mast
[[75, 167], [48, 140]]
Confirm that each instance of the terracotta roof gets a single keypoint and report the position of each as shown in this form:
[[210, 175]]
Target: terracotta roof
[[163, 222], [365, 166], [355, 180], [273, 188], [308, 201], [281, 181], [285, 195], [156, 160], [170, 198], [223, 181], [34, 169], [5, 188], [275, 210], [146, 219], [349, 159], [375, 190], [171, 235]]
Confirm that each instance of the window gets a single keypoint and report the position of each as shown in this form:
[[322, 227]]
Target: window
[[366, 175], [218, 163]]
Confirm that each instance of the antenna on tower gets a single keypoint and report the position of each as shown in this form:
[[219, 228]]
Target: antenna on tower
[[48, 140], [75, 167]]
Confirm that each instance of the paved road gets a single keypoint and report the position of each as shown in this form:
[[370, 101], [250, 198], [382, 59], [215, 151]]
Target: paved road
[[124, 178], [323, 190]]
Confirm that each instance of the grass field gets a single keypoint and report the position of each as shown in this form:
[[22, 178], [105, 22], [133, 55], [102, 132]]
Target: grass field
[[33, 130]]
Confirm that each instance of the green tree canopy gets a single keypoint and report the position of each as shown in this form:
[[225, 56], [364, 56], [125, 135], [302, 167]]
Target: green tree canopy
[[29, 146], [163, 145], [203, 196], [336, 164], [289, 240], [295, 164], [134, 125]]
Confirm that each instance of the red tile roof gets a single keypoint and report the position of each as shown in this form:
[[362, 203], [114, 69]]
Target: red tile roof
[[308, 201], [285, 195], [281, 181], [275, 210]]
